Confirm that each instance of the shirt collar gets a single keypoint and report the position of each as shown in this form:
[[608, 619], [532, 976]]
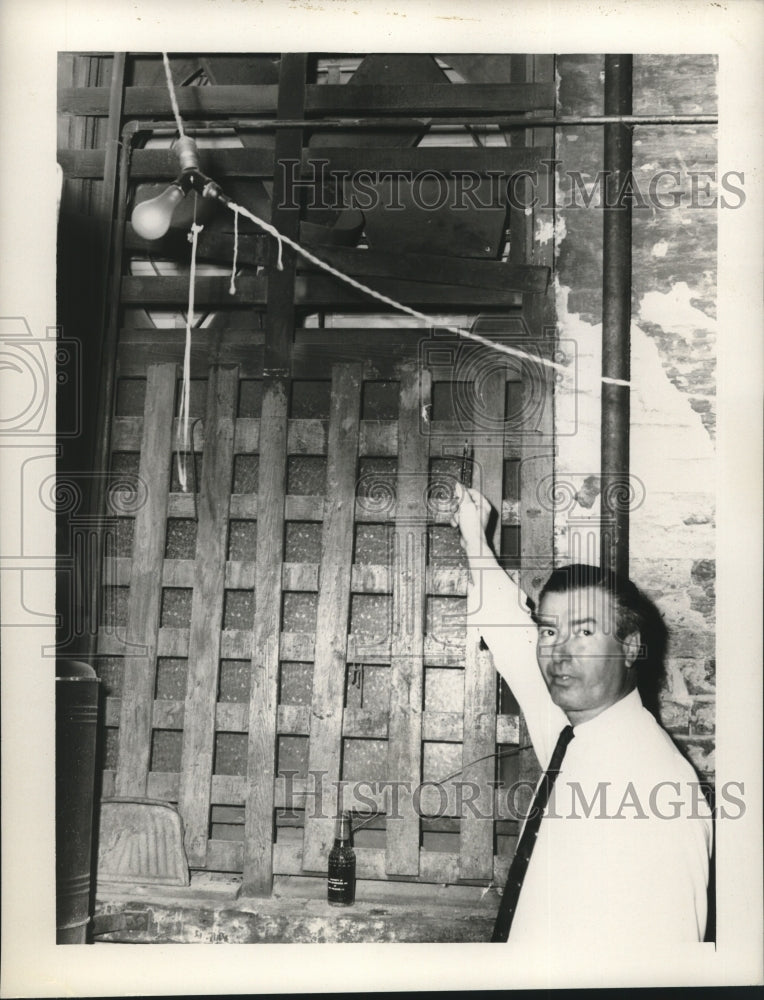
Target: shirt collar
[[613, 717]]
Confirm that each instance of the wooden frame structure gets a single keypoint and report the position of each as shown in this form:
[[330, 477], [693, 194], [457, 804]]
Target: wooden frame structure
[[261, 350]]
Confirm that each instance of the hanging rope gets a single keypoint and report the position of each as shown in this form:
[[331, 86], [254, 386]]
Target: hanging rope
[[359, 286], [184, 437], [173, 98], [232, 286], [514, 352]]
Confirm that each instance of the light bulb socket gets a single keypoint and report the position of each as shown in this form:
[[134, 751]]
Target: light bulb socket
[[187, 153]]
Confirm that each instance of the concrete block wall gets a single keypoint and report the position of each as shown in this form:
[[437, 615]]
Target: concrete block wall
[[673, 363]]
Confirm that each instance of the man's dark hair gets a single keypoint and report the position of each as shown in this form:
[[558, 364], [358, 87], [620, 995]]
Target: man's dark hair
[[634, 611], [631, 605]]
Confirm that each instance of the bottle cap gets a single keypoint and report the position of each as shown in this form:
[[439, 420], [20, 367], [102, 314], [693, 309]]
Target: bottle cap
[[343, 825]]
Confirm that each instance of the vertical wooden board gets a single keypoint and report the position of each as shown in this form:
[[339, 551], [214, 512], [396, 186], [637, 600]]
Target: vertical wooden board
[[145, 598], [537, 519], [479, 740], [263, 706], [404, 752], [520, 221], [207, 612], [261, 752], [285, 214], [325, 754]]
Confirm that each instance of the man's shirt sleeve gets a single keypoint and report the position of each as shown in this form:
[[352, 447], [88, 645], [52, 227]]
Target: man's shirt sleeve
[[497, 611]]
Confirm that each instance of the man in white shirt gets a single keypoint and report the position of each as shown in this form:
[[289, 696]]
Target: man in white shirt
[[622, 852]]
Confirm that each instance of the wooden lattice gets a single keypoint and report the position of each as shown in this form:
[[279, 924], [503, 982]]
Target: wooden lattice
[[237, 660]]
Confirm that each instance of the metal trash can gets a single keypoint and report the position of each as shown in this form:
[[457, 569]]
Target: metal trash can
[[76, 729]]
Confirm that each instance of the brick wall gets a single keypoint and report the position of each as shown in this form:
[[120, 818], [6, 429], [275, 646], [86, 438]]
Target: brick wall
[[673, 364]]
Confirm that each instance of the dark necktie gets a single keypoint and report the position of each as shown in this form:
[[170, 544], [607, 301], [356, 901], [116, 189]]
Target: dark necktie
[[527, 841]]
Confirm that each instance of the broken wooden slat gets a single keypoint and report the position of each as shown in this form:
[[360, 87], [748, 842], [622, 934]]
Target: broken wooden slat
[[264, 645], [144, 602], [325, 751], [476, 834], [207, 612], [407, 641]]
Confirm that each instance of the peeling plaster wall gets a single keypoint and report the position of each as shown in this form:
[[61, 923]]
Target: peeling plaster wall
[[673, 363]]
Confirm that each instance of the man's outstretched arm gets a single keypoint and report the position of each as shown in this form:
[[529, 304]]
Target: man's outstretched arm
[[499, 613]]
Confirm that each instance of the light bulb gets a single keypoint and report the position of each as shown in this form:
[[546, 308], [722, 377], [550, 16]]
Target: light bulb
[[151, 219]]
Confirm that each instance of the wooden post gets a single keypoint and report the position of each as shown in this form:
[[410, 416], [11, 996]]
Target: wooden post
[[285, 216], [259, 824], [207, 613], [263, 706], [146, 584], [536, 521], [479, 741], [404, 753], [333, 616]]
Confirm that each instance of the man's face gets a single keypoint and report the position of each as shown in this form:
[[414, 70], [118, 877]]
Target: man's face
[[585, 666]]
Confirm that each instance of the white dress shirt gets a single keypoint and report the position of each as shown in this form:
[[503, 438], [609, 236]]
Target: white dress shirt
[[637, 865]]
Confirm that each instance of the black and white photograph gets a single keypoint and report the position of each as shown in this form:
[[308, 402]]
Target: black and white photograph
[[381, 487]]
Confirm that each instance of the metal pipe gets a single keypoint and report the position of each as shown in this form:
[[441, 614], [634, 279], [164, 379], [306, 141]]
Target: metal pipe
[[509, 121], [107, 384], [616, 320]]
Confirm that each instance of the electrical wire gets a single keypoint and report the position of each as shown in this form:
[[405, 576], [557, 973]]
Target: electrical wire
[[359, 286], [437, 784]]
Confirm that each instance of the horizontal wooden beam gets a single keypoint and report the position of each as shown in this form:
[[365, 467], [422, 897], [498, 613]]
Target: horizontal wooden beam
[[434, 867], [442, 581], [434, 98], [294, 720], [192, 101], [382, 349], [308, 437], [254, 162], [311, 291], [472, 273], [234, 816], [244, 506], [445, 649], [354, 99], [499, 161], [256, 249]]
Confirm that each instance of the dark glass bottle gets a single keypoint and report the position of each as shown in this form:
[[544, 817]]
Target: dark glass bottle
[[341, 882]]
